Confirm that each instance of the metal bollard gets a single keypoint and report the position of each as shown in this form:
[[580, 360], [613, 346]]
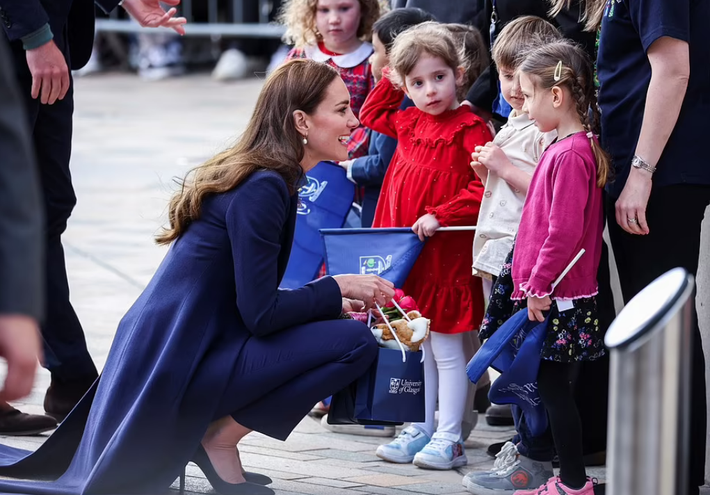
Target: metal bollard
[[650, 343]]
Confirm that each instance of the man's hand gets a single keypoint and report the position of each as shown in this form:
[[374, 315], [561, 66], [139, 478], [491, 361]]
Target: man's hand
[[631, 205], [426, 226], [149, 13], [50, 74], [536, 306], [20, 346]]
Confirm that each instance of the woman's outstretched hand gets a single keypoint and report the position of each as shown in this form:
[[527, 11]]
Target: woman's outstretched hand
[[370, 289]]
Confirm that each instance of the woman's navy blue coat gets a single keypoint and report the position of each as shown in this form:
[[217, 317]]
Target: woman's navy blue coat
[[179, 349]]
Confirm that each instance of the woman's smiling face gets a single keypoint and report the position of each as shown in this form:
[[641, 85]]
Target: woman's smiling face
[[329, 127]]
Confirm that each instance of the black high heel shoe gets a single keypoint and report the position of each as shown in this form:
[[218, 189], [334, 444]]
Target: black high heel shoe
[[202, 461]]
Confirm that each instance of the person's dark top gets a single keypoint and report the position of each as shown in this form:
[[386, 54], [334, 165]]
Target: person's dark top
[[21, 213], [485, 90], [629, 28], [448, 11], [32, 23]]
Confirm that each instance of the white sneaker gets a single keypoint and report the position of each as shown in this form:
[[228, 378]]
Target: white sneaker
[[445, 451], [363, 430], [403, 448]]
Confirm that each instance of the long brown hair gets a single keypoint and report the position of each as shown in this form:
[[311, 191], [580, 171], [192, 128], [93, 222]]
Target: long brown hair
[[591, 15], [270, 142], [565, 64], [299, 17]]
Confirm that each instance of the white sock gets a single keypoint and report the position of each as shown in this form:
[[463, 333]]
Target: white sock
[[445, 377]]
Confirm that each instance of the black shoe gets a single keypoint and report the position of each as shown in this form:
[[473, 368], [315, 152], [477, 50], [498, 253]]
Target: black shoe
[[62, 396], [247, 488], [497, 415], [256, 478], [480, 400], [17, 423], [494, 448]]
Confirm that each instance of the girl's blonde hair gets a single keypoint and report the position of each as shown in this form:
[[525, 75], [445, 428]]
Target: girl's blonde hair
[[591, 15], [299, 17], [431, 38], [270, 142], [564, 64], [469, 41]]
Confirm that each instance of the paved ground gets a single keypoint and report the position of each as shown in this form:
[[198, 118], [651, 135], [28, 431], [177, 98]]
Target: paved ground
[[131, 139]]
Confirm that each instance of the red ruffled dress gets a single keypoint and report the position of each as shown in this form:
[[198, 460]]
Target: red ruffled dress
[[431, 173]]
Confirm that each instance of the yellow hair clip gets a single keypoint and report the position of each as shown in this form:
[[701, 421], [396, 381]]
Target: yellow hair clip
[[558, 71]]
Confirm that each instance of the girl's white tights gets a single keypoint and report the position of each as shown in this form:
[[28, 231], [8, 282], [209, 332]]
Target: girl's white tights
[[445, 378]]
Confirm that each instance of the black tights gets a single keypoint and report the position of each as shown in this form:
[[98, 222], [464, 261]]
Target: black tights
[[556, 391]]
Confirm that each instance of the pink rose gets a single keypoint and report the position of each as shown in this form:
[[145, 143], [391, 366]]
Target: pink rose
[[398, 295], [408, 304]]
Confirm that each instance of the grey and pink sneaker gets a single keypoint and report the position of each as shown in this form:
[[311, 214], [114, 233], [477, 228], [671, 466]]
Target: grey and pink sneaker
[[554, 486]]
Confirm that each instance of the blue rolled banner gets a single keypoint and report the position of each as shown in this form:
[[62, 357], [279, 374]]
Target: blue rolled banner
[[389, 253], [324, 201], [514, 350]]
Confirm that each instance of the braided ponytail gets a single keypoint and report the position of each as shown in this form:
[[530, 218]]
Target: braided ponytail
[[562, 63]]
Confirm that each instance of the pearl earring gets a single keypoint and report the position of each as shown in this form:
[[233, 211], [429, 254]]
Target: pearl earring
[[305, 141]]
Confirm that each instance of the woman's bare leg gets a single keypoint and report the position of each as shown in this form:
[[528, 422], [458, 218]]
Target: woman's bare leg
[[220, 443]]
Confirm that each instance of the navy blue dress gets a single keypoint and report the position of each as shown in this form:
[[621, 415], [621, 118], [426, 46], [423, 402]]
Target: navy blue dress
[[211, 335]]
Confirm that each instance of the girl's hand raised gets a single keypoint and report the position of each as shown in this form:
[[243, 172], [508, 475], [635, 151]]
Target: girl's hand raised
[[426, 226], [536, 306]]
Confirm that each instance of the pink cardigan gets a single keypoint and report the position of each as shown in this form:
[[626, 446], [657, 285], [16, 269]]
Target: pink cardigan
[[562, 214]]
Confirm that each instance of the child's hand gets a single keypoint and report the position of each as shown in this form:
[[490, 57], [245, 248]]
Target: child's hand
[[479, 169], [493, 158], [426, 226], [536, 306]]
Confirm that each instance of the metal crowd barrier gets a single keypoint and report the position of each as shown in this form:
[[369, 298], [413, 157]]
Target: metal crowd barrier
[[651, 352], [238, 18]]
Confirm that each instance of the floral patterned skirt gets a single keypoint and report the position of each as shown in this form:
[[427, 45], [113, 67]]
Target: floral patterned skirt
[[572, 335]]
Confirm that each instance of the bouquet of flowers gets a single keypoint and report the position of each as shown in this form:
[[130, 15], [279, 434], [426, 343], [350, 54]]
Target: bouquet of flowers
[[400, 316]]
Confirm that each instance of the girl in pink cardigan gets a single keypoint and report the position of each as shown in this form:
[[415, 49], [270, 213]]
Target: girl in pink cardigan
[[561, 216]]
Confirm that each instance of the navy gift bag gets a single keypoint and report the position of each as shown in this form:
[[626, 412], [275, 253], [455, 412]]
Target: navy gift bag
[[391, 392]]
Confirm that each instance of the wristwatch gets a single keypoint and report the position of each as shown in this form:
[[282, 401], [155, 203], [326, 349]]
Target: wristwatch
[[638, 162]]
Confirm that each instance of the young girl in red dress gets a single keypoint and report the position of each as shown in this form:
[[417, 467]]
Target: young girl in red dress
[[336, 32], [430, 184]]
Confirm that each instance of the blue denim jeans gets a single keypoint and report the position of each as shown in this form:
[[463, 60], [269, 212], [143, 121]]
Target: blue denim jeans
[[538, 448]]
